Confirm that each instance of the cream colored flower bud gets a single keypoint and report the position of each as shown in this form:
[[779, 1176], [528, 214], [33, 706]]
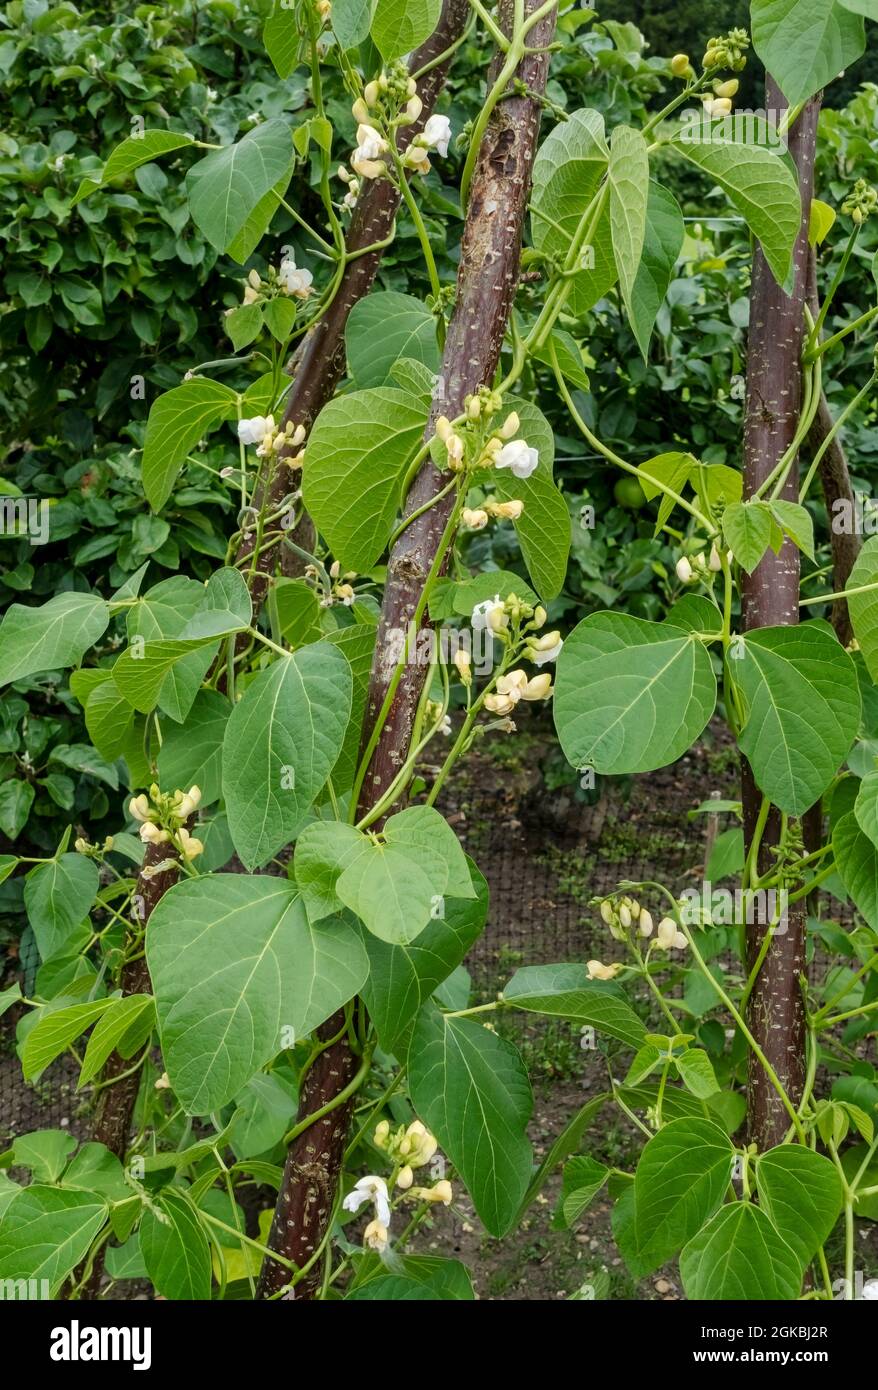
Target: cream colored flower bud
[[540, 616], [454, 447], [727, 89], [598, 971], [607, 913], [250, 295], [360, 112], [538, 687], [411, 87], [414, 107], [498, 619], [370, 94], [108, 844], [81, 846], [475, 519], [714, 563], [625, 916], [680, 942], [684, 570], [644, 922], [507, 511], [473, 408], [138, 808], [190, 846], [405, 1177], [189, 803], [442, 428], [163, 1083], [510, 427], [375, 1237], [463, 661], [152, 835], [666, 933], [255, 280], [499, 704], [382, 1134], [442, 1192], [679, 64]]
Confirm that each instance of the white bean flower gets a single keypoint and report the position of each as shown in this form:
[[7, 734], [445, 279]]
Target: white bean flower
[[490, 614], [366, 159], [295, 280], [370, 1189], [254, 430], [545, 649], [519, 457], [437, 134]]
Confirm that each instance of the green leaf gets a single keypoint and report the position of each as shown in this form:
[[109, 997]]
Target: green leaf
[[696, 1072], [244, 324], [565, 991], [822, 219], [226, 607], [191, 753], [295, 609], [245, 242], [57, 896], [671, 470], [46, 1231], [175, 1250], [631, 695], [358, 452], [863, 608], [45, 1152], [225, 186], [866, 806], [581, 1182], [357, 645], [402, 978], [123, 1027], [397, 884], [383, 327], [280, 316], [628, 177], [420, 1277], [804, 44], [568, 356], [165, 611], [747, 528], [283, 42], [16, 799], [795, 521], [856, 859], [662, 244], [471, 1090], [400, 26], [177, 421], [234, 962], [739, 1255], [282, 740], [568, 171], [141, 672], [681, 1178], [136, 150], [350, 21], [57, 634], [802, 710], [263, 1115], [109, 719], [53, 1033], [759, 179], [800, 1192]]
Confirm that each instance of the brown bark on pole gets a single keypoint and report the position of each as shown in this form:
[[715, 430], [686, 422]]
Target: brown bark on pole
[[117, 1100], [775, 1011], [319, 362], [486, 285]]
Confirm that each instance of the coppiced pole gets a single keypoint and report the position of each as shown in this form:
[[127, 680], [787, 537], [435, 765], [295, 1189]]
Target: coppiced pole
[[775, 1008], [319, 361], [486, 285], [318, 365]]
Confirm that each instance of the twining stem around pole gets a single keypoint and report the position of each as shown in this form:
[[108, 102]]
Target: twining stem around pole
[[486, 285], [775, 1010]]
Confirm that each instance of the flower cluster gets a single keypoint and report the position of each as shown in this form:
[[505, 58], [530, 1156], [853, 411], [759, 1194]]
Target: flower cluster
[[477, 445], [161, 817], [262, 431], [627, 919], [408, 1147], [389, 101], [515, 686], [342, 589], [289, 280], [720, 104], [728, 51], [860, 202], [690, 569]]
